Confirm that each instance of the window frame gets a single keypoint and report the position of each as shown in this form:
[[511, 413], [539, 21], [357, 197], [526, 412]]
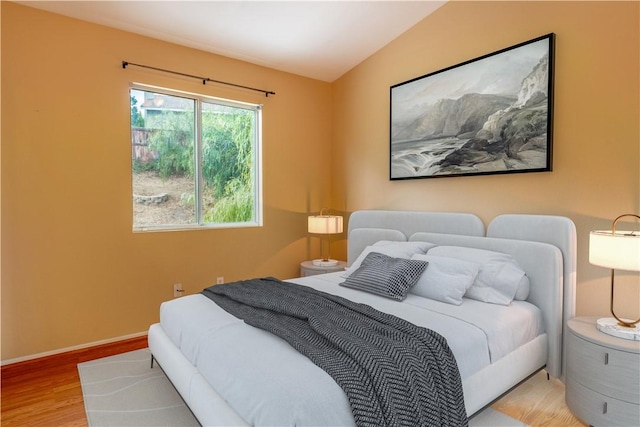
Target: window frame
[[198, 98]]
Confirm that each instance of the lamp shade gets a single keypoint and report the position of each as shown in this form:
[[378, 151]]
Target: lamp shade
[[615, 249], [325, 224]]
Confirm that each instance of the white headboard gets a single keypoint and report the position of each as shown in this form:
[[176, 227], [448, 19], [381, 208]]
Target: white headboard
[[555, 230], [367, 227], [543, 245]]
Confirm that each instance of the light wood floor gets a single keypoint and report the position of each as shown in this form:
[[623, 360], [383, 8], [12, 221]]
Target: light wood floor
[[46, 392], [538, 402]]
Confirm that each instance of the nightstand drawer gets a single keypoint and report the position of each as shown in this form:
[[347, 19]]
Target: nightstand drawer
[[612, 372], [597, 409]]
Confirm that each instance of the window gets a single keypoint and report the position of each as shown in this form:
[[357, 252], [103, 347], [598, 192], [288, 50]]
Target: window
[[195, 161]]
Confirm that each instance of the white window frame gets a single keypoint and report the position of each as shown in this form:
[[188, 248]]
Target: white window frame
[[257, 161]]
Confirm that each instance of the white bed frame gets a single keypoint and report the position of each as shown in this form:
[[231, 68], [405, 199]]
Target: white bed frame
[[552, 272]]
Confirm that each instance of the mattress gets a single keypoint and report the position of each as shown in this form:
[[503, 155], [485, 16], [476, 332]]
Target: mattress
[[233, 357]]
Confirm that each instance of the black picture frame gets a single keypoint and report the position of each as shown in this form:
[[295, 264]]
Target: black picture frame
[[489, 115]]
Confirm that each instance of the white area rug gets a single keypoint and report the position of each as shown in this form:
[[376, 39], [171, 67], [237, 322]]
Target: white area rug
[[124, 391]]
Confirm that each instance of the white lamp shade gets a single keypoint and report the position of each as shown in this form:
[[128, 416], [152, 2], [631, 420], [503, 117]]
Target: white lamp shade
[[325, 224], [619, 250]]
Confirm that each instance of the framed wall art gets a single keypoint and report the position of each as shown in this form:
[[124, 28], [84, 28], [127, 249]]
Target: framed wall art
[[489, 115]]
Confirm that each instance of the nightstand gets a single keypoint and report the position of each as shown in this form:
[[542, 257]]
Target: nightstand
[[603, 375], [308, 269]]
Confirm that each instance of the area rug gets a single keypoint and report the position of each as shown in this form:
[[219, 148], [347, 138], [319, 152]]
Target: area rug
[[124, 391]]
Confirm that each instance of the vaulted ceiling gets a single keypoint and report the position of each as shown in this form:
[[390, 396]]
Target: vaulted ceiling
[[316, 39]]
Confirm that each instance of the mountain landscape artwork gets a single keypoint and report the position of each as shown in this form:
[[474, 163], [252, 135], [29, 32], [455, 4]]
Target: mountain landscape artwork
[[489, 115]]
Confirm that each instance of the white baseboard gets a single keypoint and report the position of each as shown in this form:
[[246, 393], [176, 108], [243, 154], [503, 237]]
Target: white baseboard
[[67, 349]]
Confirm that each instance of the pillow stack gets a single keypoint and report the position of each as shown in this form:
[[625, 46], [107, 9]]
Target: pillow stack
[[500, 279], [386, 268], [441, 273]]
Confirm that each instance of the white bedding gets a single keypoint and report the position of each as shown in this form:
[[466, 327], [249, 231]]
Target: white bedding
[[233, 374], [478, 334]]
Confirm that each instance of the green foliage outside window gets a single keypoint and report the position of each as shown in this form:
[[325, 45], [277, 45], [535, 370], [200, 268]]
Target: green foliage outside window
[[226, 155], [172, 141], [136, 117], [227, 163]]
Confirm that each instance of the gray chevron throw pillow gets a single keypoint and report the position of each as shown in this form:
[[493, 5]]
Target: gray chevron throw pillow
[[386, 276]]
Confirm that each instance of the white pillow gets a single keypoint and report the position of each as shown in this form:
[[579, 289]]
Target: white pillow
[[499, 278], [523, 289], [392, 249], [445, 279]]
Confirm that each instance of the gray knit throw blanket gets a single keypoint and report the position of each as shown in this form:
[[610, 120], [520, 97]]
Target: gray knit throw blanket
[[393, 372]]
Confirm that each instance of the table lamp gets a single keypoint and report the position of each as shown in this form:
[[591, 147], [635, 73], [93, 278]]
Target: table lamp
[[327, 225], [617, 250]]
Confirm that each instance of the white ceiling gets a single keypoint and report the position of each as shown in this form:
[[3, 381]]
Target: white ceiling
[[316, 39]]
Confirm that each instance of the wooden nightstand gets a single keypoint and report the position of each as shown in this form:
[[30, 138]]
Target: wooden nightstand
[[308, 269], [603, 375]]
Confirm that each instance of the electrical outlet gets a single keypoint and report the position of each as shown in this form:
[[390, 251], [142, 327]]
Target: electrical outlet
[[178, 290], [220, 280]]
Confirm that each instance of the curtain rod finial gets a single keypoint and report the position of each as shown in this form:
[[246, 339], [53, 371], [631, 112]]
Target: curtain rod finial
[[124, 64]]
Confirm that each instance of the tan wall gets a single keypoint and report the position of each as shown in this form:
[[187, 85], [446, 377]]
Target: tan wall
[[596, 154], [0, 185], [72, 270], [74, 273]]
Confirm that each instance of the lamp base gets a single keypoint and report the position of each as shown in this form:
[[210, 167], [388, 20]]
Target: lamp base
[[610, 326], [325, 262]]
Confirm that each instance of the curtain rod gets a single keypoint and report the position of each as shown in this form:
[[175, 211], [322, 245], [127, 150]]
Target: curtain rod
[[204, 79]]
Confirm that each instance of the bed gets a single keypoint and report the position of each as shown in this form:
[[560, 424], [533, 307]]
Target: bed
[[230, 373]]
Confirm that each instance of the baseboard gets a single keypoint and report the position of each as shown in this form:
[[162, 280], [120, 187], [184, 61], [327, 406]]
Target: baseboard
[[72, 349]]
